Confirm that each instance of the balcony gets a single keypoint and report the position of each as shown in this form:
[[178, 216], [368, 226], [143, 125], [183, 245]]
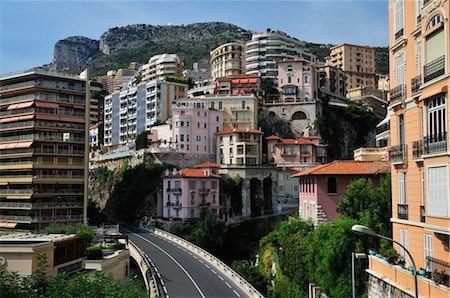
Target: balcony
[[204, 204], [402, 211], [398, 94], [52, 205], [28, 218], [422, 213], [441, 271], [204, 190], [399, 153], [399, 34], [176, 205], [416, 82], [434, 69], [435, 143], [382, 128], [418, 149], [174, 190]]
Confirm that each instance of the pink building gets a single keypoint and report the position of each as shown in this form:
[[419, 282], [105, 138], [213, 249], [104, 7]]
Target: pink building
[[321, 188], [191, 129], [296, 80], [189, 191]]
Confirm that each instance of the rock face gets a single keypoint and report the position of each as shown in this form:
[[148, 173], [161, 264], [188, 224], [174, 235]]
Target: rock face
[[136, 36], [73, 52]]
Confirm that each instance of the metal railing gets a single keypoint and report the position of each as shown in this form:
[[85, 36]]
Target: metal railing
[[422, 213], [29, 218], [204, 204], [174, 190], [434, 69], [416, 82], [441, 270], [204, 190], [418, 149], [382, 128], [174, 204], [398, 153], [402, 211], [399, 33], [435, 143], [398, 93], [41, 205]]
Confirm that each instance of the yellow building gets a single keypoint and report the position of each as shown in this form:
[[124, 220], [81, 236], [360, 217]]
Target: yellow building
[[419, 76], [358, 62], [43, 149], [227, 59]]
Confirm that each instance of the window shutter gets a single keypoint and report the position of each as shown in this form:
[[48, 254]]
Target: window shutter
[[402, 188], [435, 46], [437, 191]]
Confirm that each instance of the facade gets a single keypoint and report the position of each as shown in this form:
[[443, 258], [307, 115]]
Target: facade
[[266, 48], [239, 111], [161, 66], [238, 84], [296, 80], [65, 253], [321, 188], [191, 129], [187, 192], [137, 109], [200, 72], [419, 68], [301, 154], [97, 102], [43, 149], [358, 62], [242, 147], [227, 59], [331, 79]]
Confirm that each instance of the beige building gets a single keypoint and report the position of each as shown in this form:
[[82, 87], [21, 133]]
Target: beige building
[[358, 62], [161, 66], [227, 59], [43, 149], [331, 79], [241, 147], [115, 80], [239, 111]]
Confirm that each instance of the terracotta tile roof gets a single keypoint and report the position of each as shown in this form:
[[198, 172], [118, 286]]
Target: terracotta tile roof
[[194, 173], [348, 167], [272, 137], [207, 165], [290, 141], [232, 130]]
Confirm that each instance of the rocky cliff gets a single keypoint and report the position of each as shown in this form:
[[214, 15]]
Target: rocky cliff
[[73, 52]]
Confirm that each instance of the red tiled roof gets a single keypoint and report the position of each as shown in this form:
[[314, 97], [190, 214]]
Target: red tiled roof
[[272, 137], [232, 130], [207, 165], [194, 173], [290, 141], [348, 167]]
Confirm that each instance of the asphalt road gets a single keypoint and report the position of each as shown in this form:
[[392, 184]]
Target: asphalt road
[[183, 273]]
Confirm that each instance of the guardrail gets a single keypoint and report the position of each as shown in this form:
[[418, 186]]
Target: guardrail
[[245, 285]]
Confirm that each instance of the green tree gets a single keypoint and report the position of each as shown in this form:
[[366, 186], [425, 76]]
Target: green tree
[[141, 140], [251, 274]]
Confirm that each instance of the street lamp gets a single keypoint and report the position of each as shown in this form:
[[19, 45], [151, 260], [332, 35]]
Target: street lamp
[[368, 231]]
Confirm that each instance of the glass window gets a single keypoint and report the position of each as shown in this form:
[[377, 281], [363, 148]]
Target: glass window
[[332, 185]]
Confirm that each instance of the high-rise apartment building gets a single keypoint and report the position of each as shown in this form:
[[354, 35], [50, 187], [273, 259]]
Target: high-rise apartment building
[[137, 108], [161, 66], [419, 77], [358, 62], [228, 59], [331, 79], [43, 149], [265, 49]]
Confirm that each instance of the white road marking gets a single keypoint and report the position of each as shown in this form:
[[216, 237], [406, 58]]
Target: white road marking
[[207, 266], [228, 285], [189, 253], [201, 261], [220, 277], [159, 275], [234, 291], [165, 290], [214, 271], [195, 257], [162, 282], [183, 249], [175, 261]]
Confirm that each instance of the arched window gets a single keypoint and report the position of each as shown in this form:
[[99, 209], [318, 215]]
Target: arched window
[[434, 21], [299, 115], [332, 185], [272, 114]]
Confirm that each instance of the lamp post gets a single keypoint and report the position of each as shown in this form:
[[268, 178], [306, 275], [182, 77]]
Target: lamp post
[[368, 231], [357, 255]]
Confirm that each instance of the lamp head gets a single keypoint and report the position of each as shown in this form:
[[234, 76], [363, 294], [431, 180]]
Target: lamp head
[[364, 229]]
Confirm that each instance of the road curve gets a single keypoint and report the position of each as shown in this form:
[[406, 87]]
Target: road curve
[[184, 273]]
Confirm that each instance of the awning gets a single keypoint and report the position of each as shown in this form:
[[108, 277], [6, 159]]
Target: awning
[[19, 118], [244, 81], [48, 105], [384, 121], [433, 92], [20, 105], [253, 81], [235, 81], [15, 145], [60, 118], [78, 107], [9, 225], [72, 119]]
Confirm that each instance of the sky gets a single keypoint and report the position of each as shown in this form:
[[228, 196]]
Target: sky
[[29, 29]]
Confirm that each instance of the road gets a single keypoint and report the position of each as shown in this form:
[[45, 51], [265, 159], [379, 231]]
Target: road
[[184, 273]]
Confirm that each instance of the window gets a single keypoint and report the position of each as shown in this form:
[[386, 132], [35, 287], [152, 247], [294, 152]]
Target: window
[[434, 54], [214, 198], [398, 18], [419, 57], [182, 123], [243, 104], [289, 68], [399, 69], [220, 105], [191, 184], [299, 115], [182, 138], [213, 184], [192, 198], [402, 188], [332, 185], [419, 5], [437, 127], [435, 21], [404, 242], [437, 187], [289, 79], [192, 213], [401, 129], [217, 118], [306, 79], [428, 251], [204, 125]]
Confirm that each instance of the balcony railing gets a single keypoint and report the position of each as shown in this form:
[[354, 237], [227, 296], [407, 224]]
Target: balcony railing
[[422, 213], [174, 190], [398, 94], [435, 143], [416, 82], [399, 153], [175, 205], [204, 190], [383, 128], [41, 205], [441, 270], [434, 69], [41, 218], [204, 204], [402, 211], [418, 149], [399, 34]]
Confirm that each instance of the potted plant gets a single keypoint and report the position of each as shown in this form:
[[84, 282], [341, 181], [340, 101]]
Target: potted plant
[[422, 272], [401, 262], [372, 251]]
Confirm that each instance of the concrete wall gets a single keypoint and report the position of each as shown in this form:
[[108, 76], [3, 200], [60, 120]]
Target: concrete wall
[[117, 264]]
